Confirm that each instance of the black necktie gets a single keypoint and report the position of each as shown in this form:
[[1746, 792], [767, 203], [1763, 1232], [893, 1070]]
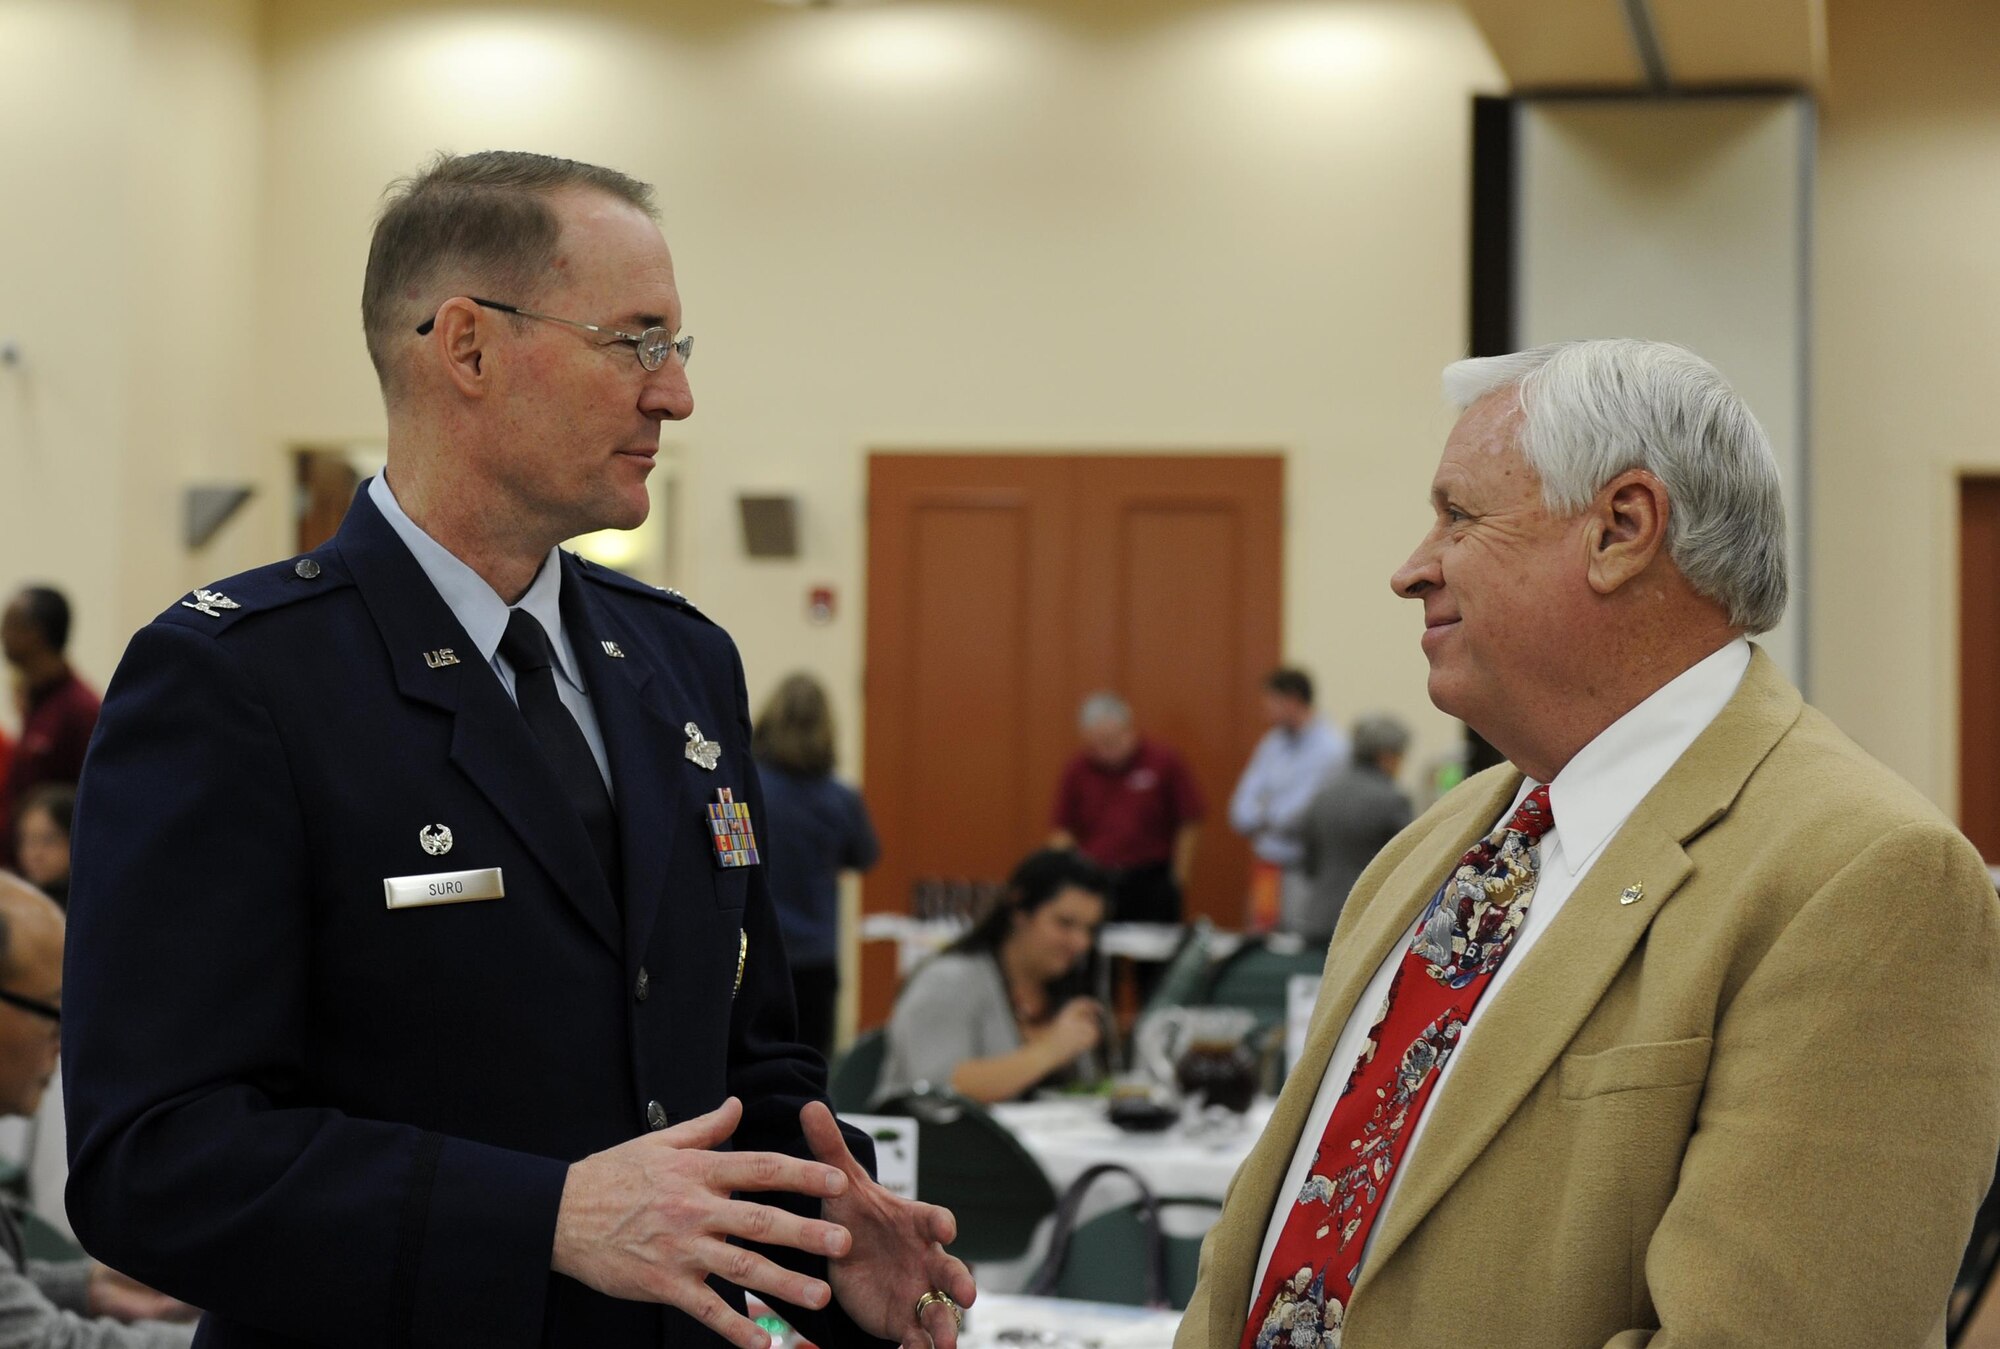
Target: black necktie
[[526, 649]]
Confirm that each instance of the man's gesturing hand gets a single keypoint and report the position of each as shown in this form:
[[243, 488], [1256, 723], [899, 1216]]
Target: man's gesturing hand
[[651, 1219], [898, 1253]]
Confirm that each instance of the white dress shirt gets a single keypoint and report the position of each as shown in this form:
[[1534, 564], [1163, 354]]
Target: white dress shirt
[[483, 614], [1591, 798]]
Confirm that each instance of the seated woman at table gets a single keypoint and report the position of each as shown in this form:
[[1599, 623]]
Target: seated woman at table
[[1002, 1010]]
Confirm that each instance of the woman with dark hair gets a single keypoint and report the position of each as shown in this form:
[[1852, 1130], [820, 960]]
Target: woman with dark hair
[[816, 828], [1002, 1009], [41, 838]]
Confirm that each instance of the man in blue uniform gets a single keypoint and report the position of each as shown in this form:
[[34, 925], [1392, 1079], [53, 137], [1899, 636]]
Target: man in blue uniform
[[423, 985]]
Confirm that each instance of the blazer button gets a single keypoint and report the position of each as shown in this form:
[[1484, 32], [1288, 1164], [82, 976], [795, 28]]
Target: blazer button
[[645, 981], [656, 1116]]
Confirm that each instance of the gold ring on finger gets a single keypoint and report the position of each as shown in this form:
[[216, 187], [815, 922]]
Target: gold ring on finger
[[938, 1297]]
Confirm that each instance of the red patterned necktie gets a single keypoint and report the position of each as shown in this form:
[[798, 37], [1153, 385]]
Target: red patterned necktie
[[1461, 938]]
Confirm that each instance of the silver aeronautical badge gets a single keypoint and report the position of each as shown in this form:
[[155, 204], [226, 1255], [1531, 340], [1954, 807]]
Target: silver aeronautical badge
[[436, 839], [210, 602], [699, 751]]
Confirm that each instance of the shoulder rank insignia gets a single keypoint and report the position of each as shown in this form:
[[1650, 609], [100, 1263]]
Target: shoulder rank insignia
[[210, 602], [701, 751]]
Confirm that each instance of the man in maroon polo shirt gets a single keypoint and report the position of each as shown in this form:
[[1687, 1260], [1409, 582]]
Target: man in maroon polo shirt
[[60, 710], [1129, 804]]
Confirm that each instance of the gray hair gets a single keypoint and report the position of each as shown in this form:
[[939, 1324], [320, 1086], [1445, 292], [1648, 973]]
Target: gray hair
[[1592, 410], [1377, 735], [1103, 708], [481, 219]]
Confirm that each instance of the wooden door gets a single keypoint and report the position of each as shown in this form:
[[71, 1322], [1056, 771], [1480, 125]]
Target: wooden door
[[1979, 663], [1004, 588]]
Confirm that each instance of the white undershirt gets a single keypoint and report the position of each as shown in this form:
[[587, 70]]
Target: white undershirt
[[1591, 798]]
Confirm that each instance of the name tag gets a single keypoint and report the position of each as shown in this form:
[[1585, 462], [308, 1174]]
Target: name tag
[[444, 887]]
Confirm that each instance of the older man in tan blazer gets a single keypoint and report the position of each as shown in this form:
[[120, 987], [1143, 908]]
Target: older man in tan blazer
[[1710, 1046]]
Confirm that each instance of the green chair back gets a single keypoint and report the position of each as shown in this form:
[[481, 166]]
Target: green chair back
[[969, 1162], [1107, 1257], [851, 1084], [41, 1239], [1255, 975], [1185, 974]]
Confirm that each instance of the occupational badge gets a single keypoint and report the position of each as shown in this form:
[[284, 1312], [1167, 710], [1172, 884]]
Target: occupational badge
[[702, 751], [729, 829], [436, 839], [210, 602]]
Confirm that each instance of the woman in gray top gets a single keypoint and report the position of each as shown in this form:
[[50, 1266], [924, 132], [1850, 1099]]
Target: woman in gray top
[[1002, 1010]]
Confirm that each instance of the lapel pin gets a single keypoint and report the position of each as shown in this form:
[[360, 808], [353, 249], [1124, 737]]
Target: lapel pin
[[700, 750], [730, 830], [613, 650], [210, 602], [440, 658], [1633, 894], [436, 839]]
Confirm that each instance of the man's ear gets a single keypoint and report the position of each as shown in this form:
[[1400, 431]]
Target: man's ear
[[459, 343], [1628, 528]]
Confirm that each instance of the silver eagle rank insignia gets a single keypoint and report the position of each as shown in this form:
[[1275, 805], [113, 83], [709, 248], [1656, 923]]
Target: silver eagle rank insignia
[[210, 602]]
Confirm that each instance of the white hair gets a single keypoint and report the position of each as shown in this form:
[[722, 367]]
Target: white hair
[[1103, 708], [1592, 410]]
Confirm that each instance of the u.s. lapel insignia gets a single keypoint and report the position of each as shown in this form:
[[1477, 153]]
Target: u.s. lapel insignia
[[700, 750], [210, 602], [730, 830], [1633, 894], [440, 658], [613, 650], [436, 839], [742, 957]]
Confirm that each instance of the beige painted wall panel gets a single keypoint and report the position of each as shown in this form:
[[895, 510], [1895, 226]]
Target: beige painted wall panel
[[1560, 44], [1681, 221], [1019, 227], [1908, 341]]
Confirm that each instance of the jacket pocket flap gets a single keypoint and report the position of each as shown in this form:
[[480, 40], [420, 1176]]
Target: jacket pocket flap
[[1663, 1063]]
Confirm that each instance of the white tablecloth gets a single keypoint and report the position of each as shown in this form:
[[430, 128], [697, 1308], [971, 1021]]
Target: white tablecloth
[[1069, 1136], [1100, 1324]]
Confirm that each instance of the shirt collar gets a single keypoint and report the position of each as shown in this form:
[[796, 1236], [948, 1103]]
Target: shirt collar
[[475, 604], [1600, 787]]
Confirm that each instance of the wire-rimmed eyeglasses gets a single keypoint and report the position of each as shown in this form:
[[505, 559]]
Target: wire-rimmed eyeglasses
[[650, 346], [46, 1010]]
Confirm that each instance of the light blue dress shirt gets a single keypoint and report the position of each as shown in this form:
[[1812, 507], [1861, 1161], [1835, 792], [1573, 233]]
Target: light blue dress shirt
[[1278, 783], [483, 614]]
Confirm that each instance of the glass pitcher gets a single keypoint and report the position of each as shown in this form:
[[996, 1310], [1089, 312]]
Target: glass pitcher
[[1203, 1050]]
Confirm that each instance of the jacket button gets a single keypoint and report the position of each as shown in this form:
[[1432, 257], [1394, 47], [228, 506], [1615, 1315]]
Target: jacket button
[[306, 569], [645, 982], [656, 1116]]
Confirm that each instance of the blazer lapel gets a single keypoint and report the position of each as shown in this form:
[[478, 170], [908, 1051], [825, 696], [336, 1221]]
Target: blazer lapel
[[490, 743], [1380, 923], [647, 747], [1560, 982]]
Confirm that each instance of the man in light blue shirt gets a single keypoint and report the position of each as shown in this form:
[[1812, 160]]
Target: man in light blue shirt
[[1295, 756]]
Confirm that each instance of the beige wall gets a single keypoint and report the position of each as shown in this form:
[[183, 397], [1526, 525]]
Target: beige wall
[[127, 143], [1011, 226], [1029, 225], [1908, 345]]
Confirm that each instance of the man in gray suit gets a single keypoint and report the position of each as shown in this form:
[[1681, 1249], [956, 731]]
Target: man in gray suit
[[1350, 817]]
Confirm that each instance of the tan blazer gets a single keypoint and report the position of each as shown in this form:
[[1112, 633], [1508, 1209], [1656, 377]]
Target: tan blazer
[[1756, 1107]]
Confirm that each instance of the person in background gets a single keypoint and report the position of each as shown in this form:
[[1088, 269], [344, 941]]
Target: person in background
[[56, 1304], [1350, 818], [1002, 1010], [1296, 755], [58, 711], [1129, 804], [41, 835], [818, 828]]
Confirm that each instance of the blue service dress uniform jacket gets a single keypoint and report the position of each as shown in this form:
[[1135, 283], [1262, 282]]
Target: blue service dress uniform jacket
[[330, 1121]]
